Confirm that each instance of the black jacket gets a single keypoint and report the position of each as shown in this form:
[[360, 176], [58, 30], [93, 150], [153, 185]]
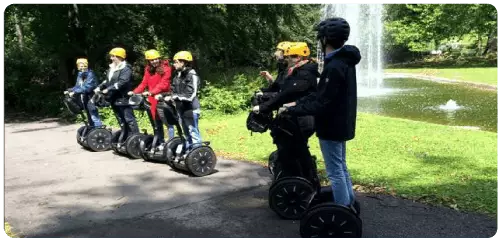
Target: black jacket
[[185, 85], [300, 83], [279, 82], [119, 84], [334, 105]]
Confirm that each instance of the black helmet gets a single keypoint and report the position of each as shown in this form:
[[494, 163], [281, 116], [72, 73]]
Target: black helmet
[[333, 29]]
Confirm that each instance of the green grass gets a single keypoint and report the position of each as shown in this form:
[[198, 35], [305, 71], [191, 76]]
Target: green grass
[[427, 162], [486, 75]]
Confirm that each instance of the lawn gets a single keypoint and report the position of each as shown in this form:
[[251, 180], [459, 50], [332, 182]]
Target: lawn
[[485, 75], [426, 162]]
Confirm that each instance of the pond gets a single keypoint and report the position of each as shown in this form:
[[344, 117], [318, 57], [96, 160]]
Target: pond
[[423, 100]]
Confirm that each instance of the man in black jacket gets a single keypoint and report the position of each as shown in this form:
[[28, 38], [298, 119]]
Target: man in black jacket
[[334, 104]]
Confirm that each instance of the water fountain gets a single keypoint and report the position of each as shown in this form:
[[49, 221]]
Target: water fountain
[[366, 25], [451, 105]]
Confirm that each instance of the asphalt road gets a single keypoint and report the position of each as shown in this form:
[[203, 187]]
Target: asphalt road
[[54, 188]]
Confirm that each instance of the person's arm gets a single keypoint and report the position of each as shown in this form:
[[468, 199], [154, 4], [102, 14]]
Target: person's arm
[[90, 83], [284, 96], [104, 83], [314, 106], [142, 86], [77, 89], [124, 77]]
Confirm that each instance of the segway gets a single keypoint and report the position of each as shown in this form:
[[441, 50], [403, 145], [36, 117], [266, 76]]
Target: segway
[[152, 149], [296, 193], [90, 137], [122, 142], [199, 160]]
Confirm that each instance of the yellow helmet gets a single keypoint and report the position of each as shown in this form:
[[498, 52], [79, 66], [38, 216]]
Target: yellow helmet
[[298, 48], [83, 61], [283, 45], [184, 55], [120, 52], [152, 54]]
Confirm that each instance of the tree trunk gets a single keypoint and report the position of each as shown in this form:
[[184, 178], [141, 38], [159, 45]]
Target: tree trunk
[[19, 32], [488, 43], [478, 44]]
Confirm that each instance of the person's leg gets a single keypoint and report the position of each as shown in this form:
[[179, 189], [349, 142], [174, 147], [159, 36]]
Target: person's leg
[[160, 133], [93, 113], [121, 121], [194, 131], [168, 118], [130, 120], [332, 154], [352, 196], [171, 131]]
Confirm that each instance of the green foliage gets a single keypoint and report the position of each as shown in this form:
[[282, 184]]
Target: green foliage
[[46, 39], [230, 92], [426, 27]]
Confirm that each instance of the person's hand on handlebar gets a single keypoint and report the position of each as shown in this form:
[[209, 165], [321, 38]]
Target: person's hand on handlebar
[[282, 110], [168, 98], [130, 93], [158, 96], [255, 109], [71, 94]]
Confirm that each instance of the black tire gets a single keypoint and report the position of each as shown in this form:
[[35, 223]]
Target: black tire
[[201, 161], [170, 150], [357, 207], [289, 197], [145, 146], [329, 220], [114, 140], [132, 145], [79, 134], [271, 162], [99, 139]]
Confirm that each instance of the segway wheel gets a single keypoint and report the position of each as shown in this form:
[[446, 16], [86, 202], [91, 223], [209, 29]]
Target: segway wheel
[[271, 162], [289, 197], [329, 220], [132, 145], [145, 146], [99, 139], [79, 135], [170, 148], [114, 140], [201, 161]]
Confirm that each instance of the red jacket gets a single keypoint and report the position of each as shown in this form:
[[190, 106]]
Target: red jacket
[[156, 84]]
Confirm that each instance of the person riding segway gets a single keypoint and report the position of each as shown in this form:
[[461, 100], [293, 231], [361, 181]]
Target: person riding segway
[[115, 90], [191, 153], [93, 135], [299, 81]]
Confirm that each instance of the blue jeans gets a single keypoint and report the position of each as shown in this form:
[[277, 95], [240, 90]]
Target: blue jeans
[[336, 169], [190, 128], [91, 110]]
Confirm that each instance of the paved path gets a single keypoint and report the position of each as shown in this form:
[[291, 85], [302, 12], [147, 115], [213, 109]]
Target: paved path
[[54, 188]]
